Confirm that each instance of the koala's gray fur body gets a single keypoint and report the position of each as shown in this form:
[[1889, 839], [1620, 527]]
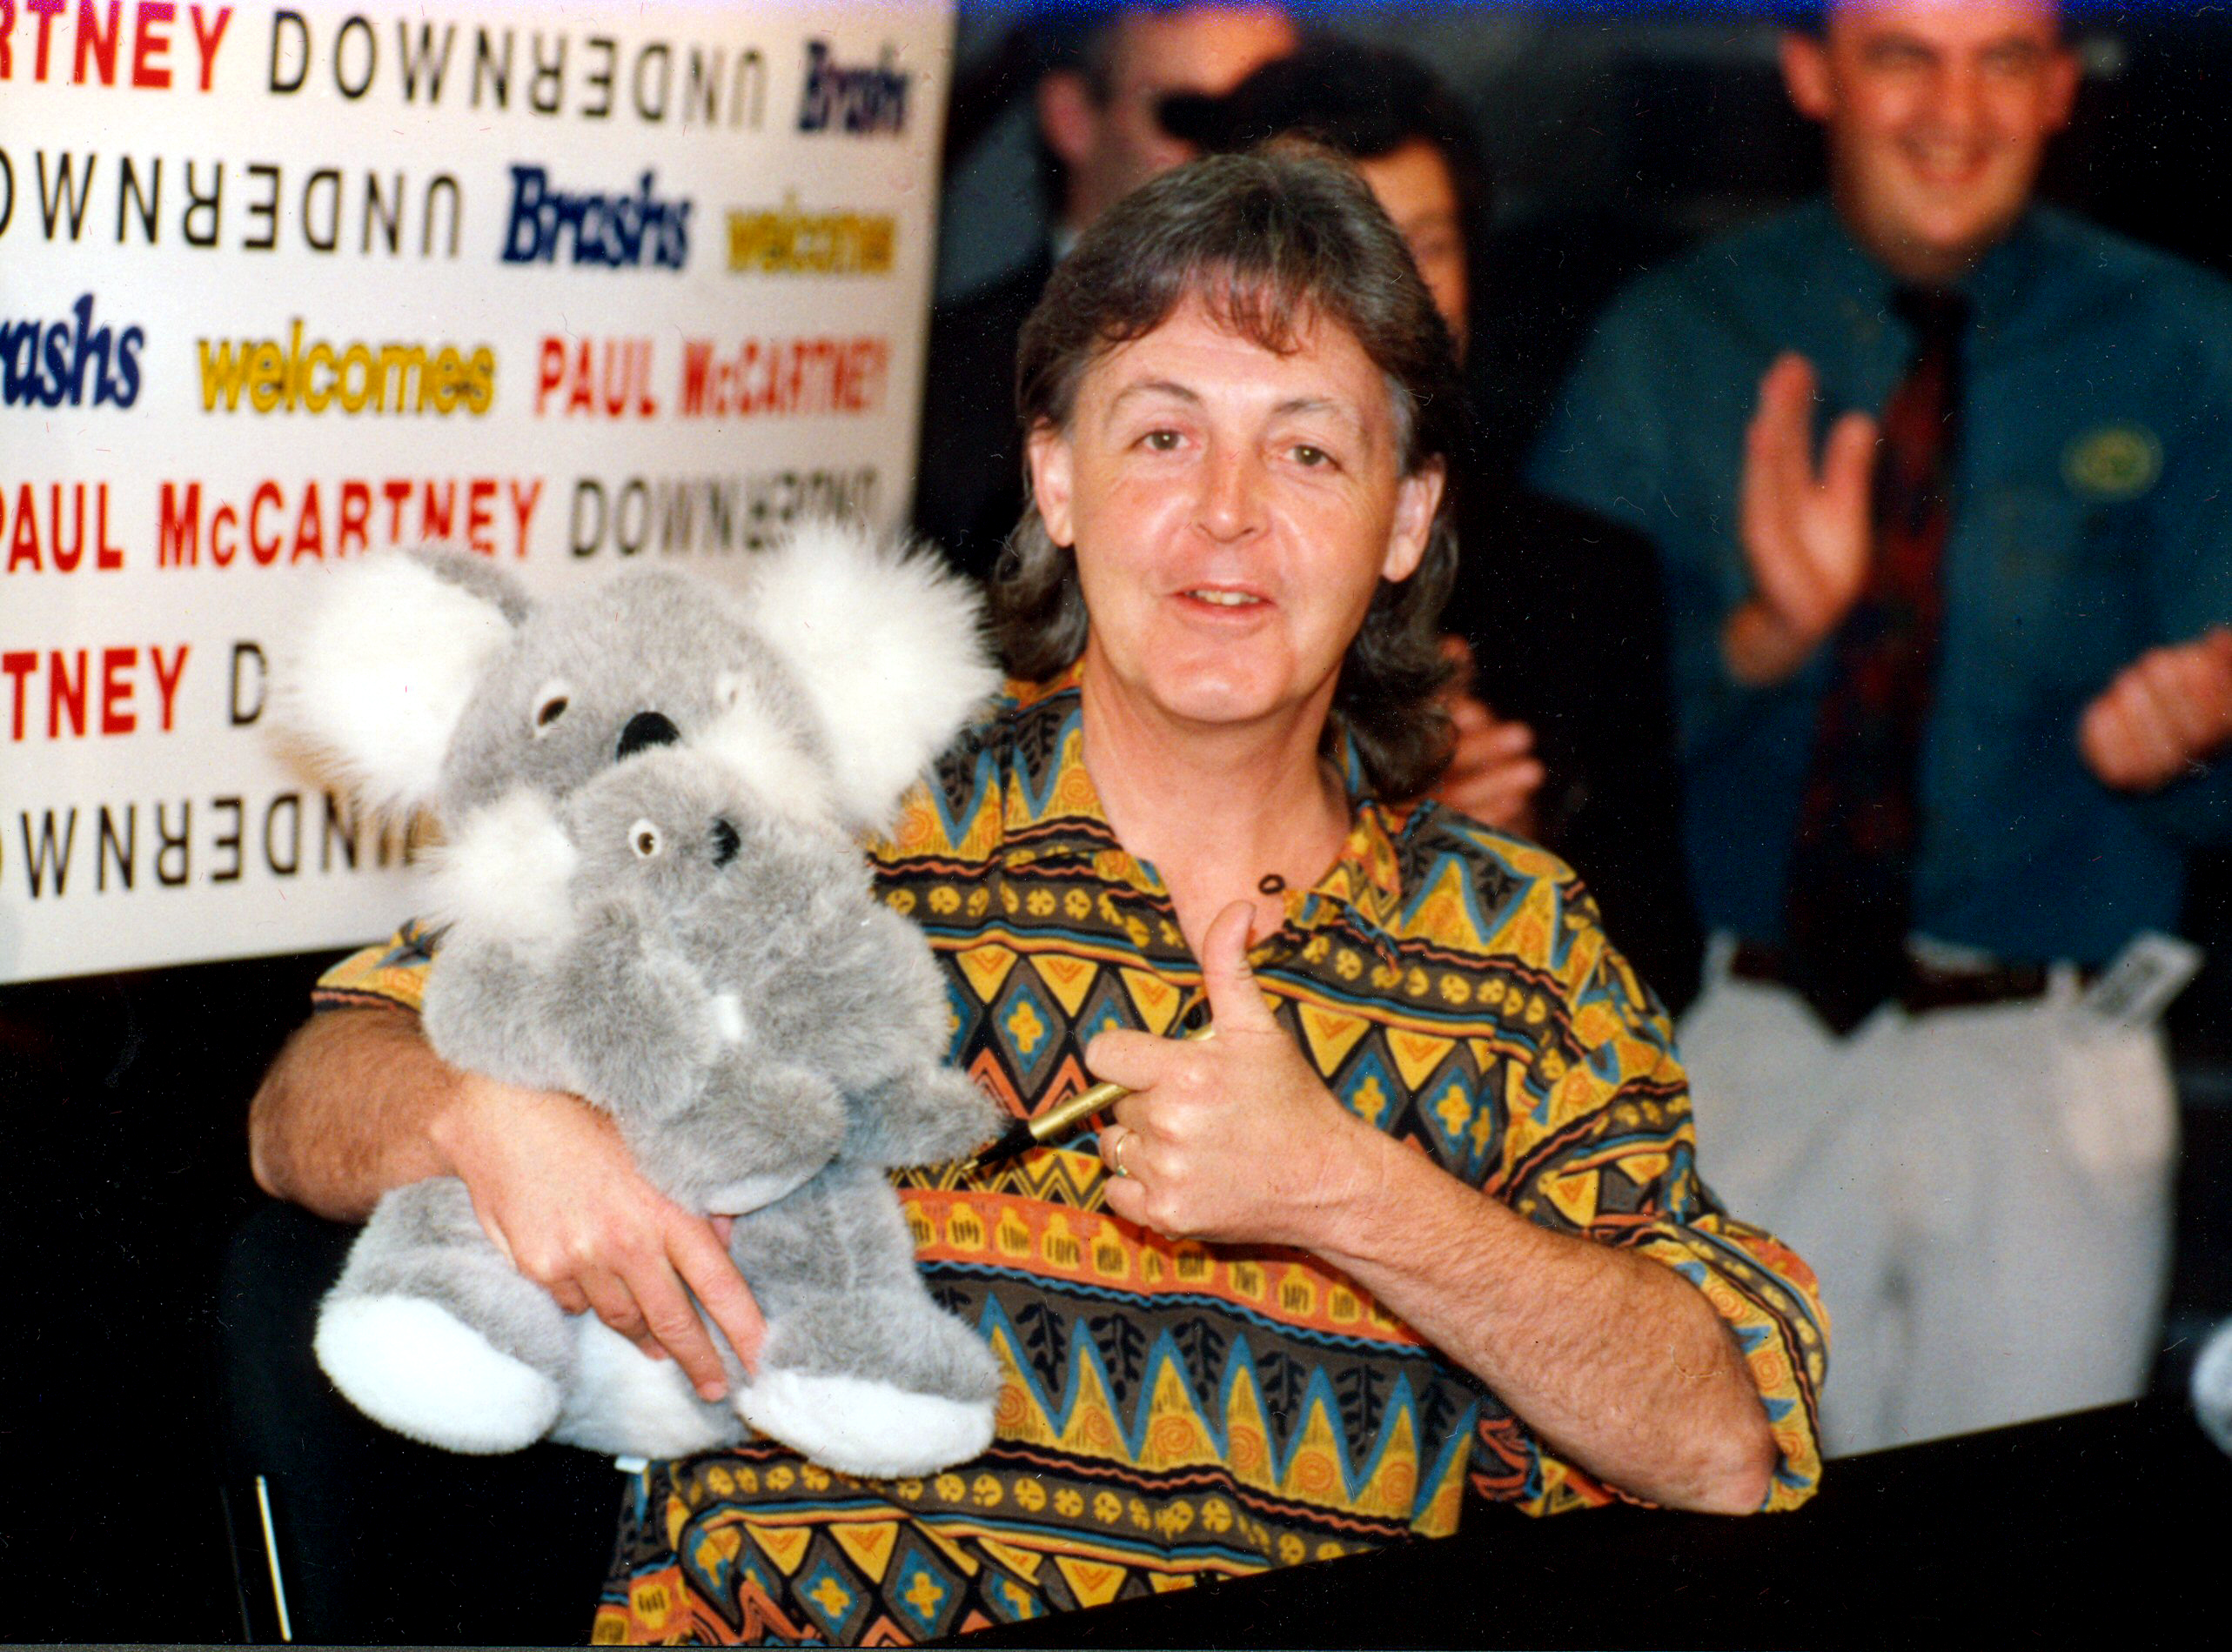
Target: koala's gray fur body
[[650, 901]]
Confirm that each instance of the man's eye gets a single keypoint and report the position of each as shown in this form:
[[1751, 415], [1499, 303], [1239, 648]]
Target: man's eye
[[1307, 455], [1162, 441]]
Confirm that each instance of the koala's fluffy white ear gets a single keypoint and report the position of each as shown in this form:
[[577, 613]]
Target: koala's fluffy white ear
[[383, 667], [888, 644]]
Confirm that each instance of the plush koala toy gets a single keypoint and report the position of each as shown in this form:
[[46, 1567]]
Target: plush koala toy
[[648, 898]]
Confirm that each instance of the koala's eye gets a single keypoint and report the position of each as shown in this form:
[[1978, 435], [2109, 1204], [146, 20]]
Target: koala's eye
[[550, 705], [644, 839]]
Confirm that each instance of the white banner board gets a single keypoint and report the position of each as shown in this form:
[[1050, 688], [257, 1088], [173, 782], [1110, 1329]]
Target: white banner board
[[572, 284]]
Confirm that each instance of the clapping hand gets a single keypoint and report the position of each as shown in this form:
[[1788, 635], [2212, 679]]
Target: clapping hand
[[1806, 526], [2168, 709]]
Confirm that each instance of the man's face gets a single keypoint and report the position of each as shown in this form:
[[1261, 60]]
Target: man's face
[[1233, 511], [1112, 146], [1938, 113]]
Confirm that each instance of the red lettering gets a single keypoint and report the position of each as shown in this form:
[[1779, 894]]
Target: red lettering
[[523, 507], [91, 43], [106, 556], [152, 42], [45, 11], [356, 506], [223, 547], [397, 490], [18, 664], [205, 40], [581, 401], [481, 514], [62, 695], [437, 515], [166, 683], [266, 493], [117, 715], [177, 533], [66, 562], [23, 545], [309, 528], [550, 370]]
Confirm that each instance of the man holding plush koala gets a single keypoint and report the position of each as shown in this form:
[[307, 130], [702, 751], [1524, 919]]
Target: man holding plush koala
[[1423, 1215]]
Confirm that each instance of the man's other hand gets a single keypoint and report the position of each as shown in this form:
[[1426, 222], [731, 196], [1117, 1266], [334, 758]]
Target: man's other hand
[[2167, 711], [558, 1193], [1805, 526], [1493, 772]]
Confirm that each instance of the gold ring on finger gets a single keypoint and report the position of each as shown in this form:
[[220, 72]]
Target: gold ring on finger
[[1123, 1141]]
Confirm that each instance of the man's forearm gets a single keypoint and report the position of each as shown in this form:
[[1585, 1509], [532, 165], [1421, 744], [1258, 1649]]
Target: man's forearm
[[1613, 1359], [350, 1109]]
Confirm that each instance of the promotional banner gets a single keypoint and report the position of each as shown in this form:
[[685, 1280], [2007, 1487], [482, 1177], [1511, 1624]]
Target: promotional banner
[[572, 286]]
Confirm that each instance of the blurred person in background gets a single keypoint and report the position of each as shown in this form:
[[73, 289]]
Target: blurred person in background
[[1941, 480], [1562, 705], [1106, 70]]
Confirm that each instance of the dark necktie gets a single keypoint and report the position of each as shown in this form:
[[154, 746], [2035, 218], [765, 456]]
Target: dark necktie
[[1848, 902]]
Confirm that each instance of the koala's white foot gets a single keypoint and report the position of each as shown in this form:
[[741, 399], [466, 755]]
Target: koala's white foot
[[414, 1367], [860, 1427], [627, 1404]]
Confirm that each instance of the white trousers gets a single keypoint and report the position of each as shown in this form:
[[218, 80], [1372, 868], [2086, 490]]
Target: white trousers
[[1985, 1193]]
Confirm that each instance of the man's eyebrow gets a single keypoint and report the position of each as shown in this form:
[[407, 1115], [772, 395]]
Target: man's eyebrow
[[1154, 387]]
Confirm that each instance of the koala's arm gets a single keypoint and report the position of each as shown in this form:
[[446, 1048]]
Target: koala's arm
[[638, 1025], [924, 1115]]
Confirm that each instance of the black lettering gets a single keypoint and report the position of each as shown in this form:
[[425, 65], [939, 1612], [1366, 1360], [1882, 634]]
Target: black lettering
[[362, 27], [379, 210], [281, 21], [286, 865], [227, 841], [339, 829], [588, 492], [196, 201], [67, 191], [551, 74], [498, 70], [423, 60], [441, 185], [123, 848], [638, 493], [647, 106], [331, 179], [128, 194], [599, 80], [41, 858], [267, 209], [249, 683], [173, 844]]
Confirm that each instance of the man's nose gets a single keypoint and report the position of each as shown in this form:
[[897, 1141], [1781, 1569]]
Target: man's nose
[[1231, 502], [1956, 106]]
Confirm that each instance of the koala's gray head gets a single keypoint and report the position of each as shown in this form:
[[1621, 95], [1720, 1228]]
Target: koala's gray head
[[825, 681], [646, 660], [667, 820]]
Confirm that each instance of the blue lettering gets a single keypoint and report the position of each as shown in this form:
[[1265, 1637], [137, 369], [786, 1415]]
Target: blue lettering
[[618, 231], [55, 364]]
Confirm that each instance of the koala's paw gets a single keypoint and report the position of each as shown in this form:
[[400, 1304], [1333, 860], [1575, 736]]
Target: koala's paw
[[858, 1426], [414, 1367], [749, 1193]]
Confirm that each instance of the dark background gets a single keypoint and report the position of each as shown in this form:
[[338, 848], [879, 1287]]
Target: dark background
[[124, 1165]]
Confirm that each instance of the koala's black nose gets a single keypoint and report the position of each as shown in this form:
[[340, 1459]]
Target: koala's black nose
[[725, 843], [643, 730]]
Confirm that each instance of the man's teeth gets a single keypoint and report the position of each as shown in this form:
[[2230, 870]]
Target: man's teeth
[[1225, 598]]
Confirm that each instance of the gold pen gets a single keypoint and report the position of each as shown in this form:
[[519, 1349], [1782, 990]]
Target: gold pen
[[1025, 1133]]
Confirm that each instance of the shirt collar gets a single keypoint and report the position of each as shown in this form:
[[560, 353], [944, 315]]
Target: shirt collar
[[1055, 817], [1995, 288]]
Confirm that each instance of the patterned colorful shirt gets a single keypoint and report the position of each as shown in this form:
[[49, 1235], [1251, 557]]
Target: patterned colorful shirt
[[1174, 1410]]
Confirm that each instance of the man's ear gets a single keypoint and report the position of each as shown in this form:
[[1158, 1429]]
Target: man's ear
[[1417, 496], [1806, 76], [2063, 75], [1053, 475], [1069, 119]]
